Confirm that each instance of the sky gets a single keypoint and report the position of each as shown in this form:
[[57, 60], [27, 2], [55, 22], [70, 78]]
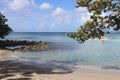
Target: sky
[[43, 15]]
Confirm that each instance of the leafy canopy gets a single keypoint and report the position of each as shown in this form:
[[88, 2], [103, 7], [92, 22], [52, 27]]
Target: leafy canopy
[[98, 24], [4, 28]]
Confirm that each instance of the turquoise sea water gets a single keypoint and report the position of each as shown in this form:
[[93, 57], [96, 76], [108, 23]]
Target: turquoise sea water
[[68, 51]]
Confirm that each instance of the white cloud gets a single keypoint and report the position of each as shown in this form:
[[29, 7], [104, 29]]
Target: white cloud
[[82, 15], [18, 4], [58, 19], [33, 2], [41, 25], [80, 9], [4, 1], [46, 6], [59, 12], [61, 16]]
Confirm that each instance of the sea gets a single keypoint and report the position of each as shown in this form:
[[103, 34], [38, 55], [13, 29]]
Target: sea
[[68, 52]]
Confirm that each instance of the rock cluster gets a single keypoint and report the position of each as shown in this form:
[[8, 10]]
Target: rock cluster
[[24, 45]]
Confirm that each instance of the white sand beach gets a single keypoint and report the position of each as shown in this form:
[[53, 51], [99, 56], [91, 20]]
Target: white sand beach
[[4, 51], [70, 76], [79, 76], [13, 71]]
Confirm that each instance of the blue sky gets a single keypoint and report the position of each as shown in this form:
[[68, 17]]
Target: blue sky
[[43, 15]]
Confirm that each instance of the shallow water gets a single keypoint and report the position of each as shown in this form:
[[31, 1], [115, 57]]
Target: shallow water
[[68, 51]]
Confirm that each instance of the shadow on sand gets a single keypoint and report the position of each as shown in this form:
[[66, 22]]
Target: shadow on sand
[[9, 68]]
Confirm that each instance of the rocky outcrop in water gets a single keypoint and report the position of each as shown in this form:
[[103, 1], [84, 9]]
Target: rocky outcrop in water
[[23, 45]]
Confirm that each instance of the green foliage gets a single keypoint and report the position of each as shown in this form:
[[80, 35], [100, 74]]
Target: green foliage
[[4, 28], [98, 25]]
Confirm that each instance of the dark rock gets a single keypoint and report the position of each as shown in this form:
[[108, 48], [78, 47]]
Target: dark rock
[[25, 45]]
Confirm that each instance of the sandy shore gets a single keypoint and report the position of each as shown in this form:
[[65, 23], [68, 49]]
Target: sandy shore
[[70, 76], [11, 70], [17, 71], [79, 76], [4, 51]]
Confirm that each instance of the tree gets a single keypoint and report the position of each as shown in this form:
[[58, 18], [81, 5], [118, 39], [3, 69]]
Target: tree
[[98, 25], [4, 28]]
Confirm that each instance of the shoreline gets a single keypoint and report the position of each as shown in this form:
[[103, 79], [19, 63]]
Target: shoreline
[[4, 51], [16, 70], [10, 69]]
